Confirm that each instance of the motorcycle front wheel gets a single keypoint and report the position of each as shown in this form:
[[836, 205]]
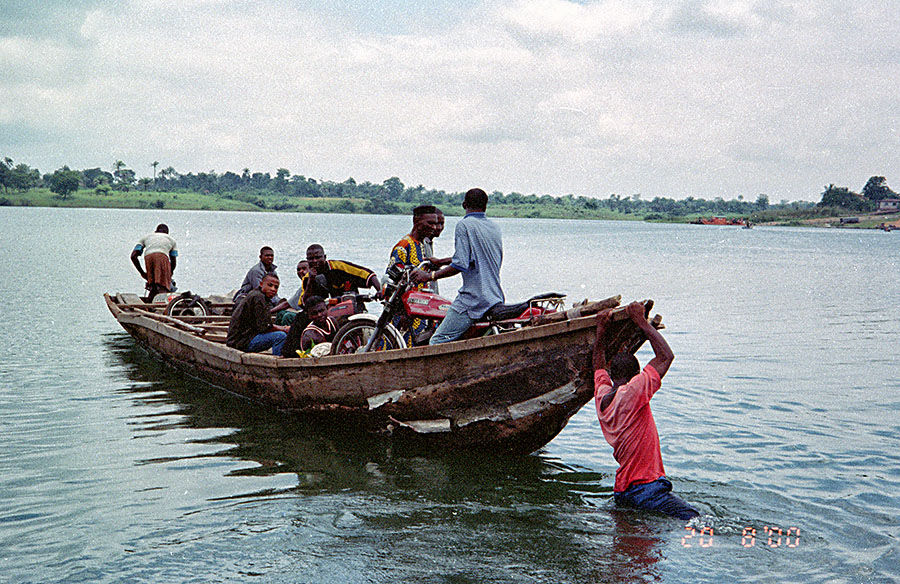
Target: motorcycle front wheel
[[353, 337], [187, 306]]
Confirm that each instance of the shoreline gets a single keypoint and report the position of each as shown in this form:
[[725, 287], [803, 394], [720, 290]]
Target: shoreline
[[192, 201]]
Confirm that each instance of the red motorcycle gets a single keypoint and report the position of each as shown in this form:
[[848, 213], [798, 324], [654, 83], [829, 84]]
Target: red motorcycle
[[363, 332]]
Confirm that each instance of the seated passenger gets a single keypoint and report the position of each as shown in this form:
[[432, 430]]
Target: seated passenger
[[251, 327], [322, 327], [255, 275], [334, 278], [282, 314]]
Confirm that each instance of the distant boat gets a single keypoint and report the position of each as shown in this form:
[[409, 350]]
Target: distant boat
[[721, 221]]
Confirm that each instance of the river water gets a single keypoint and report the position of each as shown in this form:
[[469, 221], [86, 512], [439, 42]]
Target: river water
[[780, 414]]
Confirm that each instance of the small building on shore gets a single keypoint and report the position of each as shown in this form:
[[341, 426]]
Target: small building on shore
[[888, 205]]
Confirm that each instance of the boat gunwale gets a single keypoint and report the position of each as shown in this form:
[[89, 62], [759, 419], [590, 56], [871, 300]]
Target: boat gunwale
[[224, 352]]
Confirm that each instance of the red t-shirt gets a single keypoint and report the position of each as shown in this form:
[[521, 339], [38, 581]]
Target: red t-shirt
[[628, 426]]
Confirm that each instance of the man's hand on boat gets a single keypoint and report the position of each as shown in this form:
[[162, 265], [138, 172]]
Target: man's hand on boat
[[635, 311], [603, 319]]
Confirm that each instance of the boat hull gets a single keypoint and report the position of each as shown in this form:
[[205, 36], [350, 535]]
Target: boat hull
[[512, 392]]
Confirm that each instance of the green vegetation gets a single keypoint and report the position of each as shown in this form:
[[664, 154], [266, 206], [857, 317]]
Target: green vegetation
[[229, 191]]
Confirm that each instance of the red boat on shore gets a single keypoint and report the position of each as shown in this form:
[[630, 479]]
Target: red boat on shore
[[721, 221]]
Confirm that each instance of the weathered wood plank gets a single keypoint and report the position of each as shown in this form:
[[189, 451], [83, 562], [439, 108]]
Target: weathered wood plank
[[171, 320], [586, 309], [128, 298]]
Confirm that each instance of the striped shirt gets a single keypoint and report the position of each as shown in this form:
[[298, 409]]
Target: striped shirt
[[341, 277]]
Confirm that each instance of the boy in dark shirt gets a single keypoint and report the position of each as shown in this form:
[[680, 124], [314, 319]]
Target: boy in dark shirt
[[251, 328]]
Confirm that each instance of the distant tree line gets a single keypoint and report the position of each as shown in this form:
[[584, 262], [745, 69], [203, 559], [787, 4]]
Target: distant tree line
[[876, 189], [17, 177], [391, 196]]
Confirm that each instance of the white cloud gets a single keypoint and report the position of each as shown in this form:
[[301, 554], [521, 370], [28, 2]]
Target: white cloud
[[577, 22], [693, 98]]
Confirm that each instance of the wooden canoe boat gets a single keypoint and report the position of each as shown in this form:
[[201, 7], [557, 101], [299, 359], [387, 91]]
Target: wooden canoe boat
[[511, 392]]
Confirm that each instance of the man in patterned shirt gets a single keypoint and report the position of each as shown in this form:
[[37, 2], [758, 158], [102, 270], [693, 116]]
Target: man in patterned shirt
[[411, 251]]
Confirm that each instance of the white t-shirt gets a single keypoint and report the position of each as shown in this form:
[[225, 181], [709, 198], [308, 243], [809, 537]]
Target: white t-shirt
[[157, 243]]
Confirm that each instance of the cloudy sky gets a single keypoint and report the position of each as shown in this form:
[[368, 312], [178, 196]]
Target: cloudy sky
[[672, 98]]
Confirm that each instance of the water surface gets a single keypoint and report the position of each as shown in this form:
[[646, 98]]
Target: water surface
[[781, 411]]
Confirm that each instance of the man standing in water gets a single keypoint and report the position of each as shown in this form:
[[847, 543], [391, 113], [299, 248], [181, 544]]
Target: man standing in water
[[160, 259], [478, 254], [622, 397]]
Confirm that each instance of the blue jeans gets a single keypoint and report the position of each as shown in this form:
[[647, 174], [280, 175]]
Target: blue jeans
[[274, 339], [454, 325], [656, 496]]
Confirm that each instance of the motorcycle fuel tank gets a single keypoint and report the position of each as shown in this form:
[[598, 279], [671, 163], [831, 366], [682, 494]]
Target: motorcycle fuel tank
[[425, 304]]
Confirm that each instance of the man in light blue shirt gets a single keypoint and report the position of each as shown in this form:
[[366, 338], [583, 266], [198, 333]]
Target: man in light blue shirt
[[478, 255]]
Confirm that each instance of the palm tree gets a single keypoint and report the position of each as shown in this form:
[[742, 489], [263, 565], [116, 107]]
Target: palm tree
[[118, 172], [154, 164]]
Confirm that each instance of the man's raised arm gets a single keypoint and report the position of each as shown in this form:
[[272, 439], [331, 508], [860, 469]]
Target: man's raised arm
[[600, 340], [663, 355]]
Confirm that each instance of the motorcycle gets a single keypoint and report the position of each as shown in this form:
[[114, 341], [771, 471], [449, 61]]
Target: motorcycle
[[189, 304], [363, 332]]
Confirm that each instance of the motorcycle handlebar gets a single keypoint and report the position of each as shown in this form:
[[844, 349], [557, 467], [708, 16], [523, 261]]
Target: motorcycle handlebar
[[357, 297]]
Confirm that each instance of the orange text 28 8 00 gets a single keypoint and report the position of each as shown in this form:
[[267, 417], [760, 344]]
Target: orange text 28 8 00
[[771, 536]]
